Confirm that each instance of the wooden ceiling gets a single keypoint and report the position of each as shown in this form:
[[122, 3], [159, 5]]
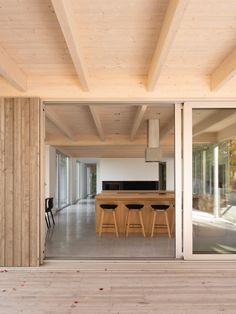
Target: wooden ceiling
[[109, 49], [107, 130], [120, 131]]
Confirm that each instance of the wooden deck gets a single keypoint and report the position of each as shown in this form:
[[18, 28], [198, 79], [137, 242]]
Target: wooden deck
[[163, 287]]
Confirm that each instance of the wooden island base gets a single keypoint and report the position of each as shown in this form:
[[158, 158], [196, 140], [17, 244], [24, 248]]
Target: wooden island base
[[145, 198]]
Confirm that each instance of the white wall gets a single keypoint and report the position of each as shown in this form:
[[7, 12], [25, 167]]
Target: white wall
[[127, 169], [170, 173], [134, 169], [72, 180], [83, 180], [50, 171]]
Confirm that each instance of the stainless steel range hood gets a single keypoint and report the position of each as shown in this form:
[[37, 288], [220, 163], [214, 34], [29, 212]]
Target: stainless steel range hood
[[153, 151]]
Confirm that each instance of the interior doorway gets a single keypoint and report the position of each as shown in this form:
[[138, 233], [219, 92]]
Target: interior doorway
[[118, 162]]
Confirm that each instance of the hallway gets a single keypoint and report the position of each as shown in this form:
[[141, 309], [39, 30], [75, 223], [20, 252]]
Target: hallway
[[74, 237]]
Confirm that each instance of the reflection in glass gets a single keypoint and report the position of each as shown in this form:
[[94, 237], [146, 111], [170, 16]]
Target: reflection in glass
[[214, 181]]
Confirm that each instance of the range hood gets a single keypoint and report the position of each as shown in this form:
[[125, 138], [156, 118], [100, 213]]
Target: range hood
[[153, 150]]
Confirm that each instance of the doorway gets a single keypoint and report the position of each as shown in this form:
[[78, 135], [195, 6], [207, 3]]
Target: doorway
[[120, 167]]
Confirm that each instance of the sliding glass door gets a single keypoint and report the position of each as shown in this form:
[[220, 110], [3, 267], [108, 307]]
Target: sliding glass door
[[209, 181]]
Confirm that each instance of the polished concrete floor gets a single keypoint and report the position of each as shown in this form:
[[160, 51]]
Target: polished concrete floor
[[74, 236], [214, 235]]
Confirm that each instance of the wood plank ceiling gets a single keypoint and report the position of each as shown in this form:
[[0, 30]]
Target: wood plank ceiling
[[166, 49], [78, 134]]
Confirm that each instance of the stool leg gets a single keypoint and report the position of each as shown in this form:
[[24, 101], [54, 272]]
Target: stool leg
[[173, 221], [167, 223], [153, 223], [141, 222], [101, 223], [114, 216], [127, 225]]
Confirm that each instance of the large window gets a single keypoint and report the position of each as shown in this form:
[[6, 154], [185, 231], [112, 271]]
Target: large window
[[214, 180], [62, 194]]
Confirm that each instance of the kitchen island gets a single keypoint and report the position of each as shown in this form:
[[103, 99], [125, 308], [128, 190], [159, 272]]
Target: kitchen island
[[147, 198]]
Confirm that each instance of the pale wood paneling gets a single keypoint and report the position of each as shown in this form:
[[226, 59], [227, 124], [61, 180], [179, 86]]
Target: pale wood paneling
[[2, 182], [20, 181]]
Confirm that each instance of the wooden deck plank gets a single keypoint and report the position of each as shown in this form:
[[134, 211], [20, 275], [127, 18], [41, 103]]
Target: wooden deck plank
[[167, 290]]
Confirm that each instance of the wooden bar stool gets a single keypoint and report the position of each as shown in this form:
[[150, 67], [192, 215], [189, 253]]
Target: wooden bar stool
[[160, 209], [108, 209], [131, 209]]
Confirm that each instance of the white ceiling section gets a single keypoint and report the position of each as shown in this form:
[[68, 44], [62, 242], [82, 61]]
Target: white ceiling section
[[100, 49]]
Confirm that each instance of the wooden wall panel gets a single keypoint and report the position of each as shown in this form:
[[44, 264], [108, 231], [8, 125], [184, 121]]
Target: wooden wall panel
[[20, 181]]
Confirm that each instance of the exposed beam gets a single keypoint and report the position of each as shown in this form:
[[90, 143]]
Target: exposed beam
[[167, 128], [69, 28], [227, 133], [11, 71], [97, 122], [53, 116], [224, 72], [89, 140], [219, 117], [170, 26], [205, 138], [137, 121]]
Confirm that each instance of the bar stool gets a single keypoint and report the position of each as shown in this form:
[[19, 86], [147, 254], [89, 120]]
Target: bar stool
[[131, 209], [109, 209], [160, 209]]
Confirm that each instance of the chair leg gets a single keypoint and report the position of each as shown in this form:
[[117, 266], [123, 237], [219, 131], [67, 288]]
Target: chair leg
[[141, 222], [127, 225], [52, 217], [46, 222], [101, 224], [48, 219], [153, 223], [114, 216], [167, 223]]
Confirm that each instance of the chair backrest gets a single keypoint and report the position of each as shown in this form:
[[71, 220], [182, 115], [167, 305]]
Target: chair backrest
[[50, 203]]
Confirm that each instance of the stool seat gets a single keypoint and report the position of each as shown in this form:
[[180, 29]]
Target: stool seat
[[108, 206], [134, 209], [160, 206], [108, 209], [134, 206], [160, 209]]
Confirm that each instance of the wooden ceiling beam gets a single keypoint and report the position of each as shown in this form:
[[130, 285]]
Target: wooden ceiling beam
[[53, 116], [11, 71], [227, 133], [170, 26], [120, 140], [207, 123], [97, 122], [224, 72], [137, 121], [69, 28]]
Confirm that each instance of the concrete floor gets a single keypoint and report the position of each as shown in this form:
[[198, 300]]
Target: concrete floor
[[74, 237]]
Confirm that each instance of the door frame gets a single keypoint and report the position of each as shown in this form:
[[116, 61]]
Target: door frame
[[187, 179]]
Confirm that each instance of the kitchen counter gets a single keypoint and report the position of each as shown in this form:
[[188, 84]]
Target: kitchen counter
[[141, 197]]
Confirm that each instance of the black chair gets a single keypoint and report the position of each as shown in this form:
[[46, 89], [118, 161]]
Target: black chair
[[160, 209], [48, 210], [109, 209], [131, 209]]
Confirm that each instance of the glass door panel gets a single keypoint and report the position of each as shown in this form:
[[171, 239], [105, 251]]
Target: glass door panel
[[212, 229]]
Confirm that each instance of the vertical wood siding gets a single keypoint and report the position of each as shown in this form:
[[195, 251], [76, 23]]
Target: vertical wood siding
[[20, 183]]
